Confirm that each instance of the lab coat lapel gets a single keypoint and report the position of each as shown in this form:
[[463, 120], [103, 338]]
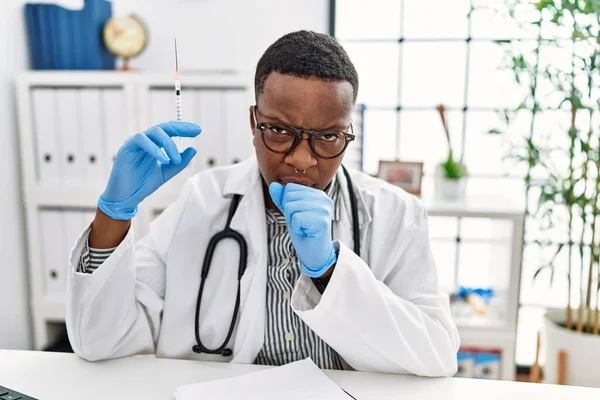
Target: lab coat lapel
[[249, 220], [344, 226]]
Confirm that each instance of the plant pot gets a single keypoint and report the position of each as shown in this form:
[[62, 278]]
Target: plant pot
[[582, 349], [448, 189]]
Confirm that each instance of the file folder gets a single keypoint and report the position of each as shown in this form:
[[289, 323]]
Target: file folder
[[46, 135], [162, 106], [33, 36], [71, 147], [61, 38], [115, 134], [237, 126], [91, 126], [73, 225], [53, 255], [212, 141], [88, 217]]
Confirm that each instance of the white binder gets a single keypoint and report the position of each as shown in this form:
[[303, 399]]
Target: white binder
[[71, 148], [53, 255], [162, 106], [87, 218], [237, 126], [212, 141], [115, 126], [73, 226], [91, 127], [46, 135]]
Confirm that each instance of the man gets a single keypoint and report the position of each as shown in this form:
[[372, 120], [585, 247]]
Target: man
[[303, 291]]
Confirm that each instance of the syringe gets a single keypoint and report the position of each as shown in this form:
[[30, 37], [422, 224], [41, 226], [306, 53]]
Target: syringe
[[178, 95]]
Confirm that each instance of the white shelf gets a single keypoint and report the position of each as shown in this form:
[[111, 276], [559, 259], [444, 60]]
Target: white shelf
[[82, 197], [53, 308], [484, 325], [119, 78], [492, 338], [475, 206]]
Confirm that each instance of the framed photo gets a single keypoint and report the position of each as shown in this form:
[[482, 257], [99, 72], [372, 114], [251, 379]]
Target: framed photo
[[407, 175]]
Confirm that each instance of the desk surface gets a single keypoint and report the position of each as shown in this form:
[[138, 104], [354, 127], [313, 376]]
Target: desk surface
[[57, 376]]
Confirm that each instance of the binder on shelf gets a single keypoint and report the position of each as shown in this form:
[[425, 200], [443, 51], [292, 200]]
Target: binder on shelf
[[466, 364], [60, 38], [487, 365], [73, 225], [91, 128], [162, 106], [211, 143], [237, 129], [53, 256], [88, 217], [71, 149], [113, 106], [33, 36], [46, 136]]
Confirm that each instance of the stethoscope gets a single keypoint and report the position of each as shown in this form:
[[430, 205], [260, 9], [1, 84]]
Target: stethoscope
[[228, 233]]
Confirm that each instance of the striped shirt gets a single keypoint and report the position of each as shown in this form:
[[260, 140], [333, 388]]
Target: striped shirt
[[287, 337]]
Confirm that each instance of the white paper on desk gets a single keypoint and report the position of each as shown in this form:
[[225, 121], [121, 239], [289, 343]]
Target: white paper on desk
[[299, 380]]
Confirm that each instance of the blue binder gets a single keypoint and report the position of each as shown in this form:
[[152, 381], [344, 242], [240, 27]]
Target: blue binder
[[66, 39]]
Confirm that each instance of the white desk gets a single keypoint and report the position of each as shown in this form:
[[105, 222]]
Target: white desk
[[56, 376]]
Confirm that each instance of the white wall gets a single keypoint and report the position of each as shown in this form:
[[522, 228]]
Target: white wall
[[14, 308], [211, 34], [216, 34]]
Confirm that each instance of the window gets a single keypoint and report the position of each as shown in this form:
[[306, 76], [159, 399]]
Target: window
[[412, 55]]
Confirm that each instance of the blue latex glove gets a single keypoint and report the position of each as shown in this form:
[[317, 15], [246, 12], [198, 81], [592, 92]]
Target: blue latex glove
[[308, 213], [141, 167]]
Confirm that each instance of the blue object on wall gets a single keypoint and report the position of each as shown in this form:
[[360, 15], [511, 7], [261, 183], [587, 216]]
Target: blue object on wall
[[67, 39]]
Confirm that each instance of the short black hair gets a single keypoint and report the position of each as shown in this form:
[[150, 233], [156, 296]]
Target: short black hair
[[306, 54]]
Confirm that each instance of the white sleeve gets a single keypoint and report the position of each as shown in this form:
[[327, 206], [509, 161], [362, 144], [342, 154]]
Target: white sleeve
[[400, 324], [116, 310]]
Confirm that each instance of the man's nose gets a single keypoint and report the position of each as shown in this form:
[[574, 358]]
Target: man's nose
[[302, 157]]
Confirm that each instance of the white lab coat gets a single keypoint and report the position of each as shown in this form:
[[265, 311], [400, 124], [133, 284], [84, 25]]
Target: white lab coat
[[382, 312]]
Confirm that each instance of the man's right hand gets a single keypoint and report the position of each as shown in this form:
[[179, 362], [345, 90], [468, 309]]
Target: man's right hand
[[141, 167]]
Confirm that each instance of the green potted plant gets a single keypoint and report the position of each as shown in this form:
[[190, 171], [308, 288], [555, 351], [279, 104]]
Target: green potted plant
[[563, 177], [450, 174]]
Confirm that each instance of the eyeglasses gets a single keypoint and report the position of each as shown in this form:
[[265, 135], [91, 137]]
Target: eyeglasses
[[283, 138]]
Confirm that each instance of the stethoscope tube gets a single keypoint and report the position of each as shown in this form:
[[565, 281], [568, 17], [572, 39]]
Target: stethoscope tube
[[228, 233]]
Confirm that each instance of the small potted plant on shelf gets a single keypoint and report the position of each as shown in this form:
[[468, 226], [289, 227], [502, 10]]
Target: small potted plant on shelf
[[450, 175]]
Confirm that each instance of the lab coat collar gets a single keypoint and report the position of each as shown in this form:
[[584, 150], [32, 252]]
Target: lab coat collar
[[246, 175], [364, 216]]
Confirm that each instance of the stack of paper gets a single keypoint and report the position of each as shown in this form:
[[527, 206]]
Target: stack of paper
[[300, 380]]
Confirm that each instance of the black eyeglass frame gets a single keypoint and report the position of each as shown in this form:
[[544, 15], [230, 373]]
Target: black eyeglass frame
[[313, 134]]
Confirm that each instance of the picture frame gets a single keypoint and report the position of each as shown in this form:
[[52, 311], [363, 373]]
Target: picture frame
[[407, 175]]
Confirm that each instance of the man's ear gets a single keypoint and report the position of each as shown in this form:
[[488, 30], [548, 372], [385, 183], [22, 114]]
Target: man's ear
[[252, 121]]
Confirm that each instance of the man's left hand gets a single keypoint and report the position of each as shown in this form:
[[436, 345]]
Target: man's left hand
[[308, 213]]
